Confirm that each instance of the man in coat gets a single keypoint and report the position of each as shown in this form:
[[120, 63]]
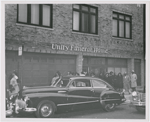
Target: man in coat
[[133, 81], [126, 82]]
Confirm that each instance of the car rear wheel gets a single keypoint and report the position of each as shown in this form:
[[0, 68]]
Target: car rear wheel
[[45, 109], [109, 106]]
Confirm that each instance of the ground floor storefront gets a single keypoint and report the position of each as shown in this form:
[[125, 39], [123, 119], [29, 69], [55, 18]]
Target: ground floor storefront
[[36, 68]]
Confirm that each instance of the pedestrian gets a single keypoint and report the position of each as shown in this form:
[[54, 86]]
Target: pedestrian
[[101, 75], [133, 81], [115, 82], [106, 77], [120, 81], [111, 78], [55, 79], [92, 74], [82, 74], [77, 74], [126, 82], [69, 73], [13, 86]]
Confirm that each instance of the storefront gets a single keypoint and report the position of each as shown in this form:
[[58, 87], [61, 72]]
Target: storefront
[[38, 68], [102, 65]]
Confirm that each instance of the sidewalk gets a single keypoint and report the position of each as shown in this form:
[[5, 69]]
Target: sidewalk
[[128, 98]]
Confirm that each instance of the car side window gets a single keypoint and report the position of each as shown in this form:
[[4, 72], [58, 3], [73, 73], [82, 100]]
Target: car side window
[[98, 83], [80, 83]]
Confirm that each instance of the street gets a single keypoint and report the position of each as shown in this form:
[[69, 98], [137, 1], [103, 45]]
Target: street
[[123, 111]]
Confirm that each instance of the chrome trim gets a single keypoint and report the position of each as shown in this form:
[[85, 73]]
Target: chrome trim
[[30, 109], [77, 103], [61, 91], [110, 99], [138, 103]]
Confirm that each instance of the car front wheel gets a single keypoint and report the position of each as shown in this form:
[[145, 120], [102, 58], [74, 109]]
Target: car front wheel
[[45, 109], [109, 106]]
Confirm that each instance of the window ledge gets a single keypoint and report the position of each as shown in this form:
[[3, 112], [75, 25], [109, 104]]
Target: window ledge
[[32, 26], [122, 39], [85, 34]]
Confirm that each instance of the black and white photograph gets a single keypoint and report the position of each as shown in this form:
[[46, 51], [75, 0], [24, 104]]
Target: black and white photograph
[[74, 60]]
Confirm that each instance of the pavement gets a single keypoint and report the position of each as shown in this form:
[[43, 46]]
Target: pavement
[[128, 98]]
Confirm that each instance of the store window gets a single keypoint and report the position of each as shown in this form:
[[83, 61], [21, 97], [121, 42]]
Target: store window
[[85, 19], [117, 65], [35, 14], [121, 25]]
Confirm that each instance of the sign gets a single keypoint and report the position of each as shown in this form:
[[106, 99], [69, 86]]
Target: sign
[[78, 48], [20, 50]]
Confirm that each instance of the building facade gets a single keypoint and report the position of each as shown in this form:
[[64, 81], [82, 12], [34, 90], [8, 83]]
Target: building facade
[[41, 39]]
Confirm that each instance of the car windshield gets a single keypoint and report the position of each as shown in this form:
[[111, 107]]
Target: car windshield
[[61, 83]]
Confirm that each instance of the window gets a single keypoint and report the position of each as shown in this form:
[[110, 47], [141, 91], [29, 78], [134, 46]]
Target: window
[[85, 19], [35, 14], [80, 83], [102, 84], [121, 25], [98, 84]]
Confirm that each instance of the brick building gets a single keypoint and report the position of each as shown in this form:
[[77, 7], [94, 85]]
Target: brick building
[[93, 37]]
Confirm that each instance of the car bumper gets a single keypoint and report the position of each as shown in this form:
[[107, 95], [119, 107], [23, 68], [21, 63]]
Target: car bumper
[[26, 110], [137, 103], [29, 109]]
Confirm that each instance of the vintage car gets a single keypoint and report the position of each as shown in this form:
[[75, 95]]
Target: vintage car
[[69, 91], [138, 101]]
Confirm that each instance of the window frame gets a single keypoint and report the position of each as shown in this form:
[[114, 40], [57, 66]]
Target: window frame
[[124, 20], [77, 80], [99, 80], [89, 18], [40, 16]]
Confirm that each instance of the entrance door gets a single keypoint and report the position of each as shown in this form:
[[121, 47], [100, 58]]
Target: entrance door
[[137, 69], [94, 65]]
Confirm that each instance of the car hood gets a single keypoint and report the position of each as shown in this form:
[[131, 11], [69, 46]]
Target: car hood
[[41, 89]]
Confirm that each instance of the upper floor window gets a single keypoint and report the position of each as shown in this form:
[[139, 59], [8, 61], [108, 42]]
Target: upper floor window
[[85, 19], [35, 14], [122, 25]]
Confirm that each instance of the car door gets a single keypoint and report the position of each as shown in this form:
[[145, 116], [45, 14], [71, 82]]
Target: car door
[[98, 86], [80, 91]]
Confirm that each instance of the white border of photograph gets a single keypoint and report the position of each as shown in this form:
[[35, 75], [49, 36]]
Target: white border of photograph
[[2, 61]]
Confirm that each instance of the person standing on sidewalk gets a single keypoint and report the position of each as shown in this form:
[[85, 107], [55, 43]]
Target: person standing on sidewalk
[[133, 81], [126, 82], [14, 87], [56, 78], [120, 81]]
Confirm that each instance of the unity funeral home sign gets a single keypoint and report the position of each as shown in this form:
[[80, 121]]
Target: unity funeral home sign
[[78, 48]]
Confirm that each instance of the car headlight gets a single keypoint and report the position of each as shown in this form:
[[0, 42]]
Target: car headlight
[[134, 93]]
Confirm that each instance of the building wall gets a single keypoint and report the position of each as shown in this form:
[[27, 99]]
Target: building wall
[[39, 39]]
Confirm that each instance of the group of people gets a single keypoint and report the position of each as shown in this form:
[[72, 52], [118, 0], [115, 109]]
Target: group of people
[[118, 81], [122, 81]]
